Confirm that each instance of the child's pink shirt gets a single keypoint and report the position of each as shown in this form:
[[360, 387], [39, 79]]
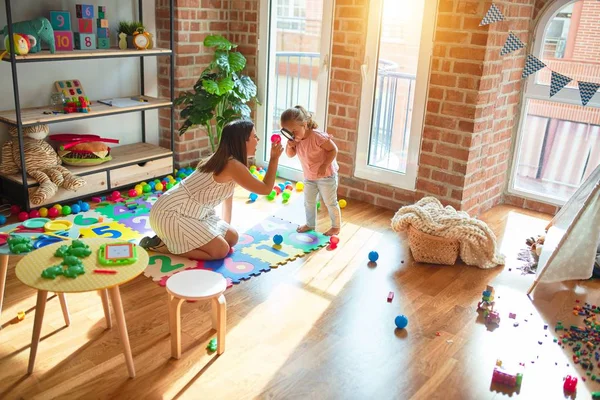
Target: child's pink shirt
[[311, 156]]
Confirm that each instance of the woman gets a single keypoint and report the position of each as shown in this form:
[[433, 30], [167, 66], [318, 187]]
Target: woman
[[184, 218]]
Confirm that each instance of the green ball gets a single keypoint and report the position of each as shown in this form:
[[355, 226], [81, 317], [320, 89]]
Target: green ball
[[169, 185], [66, 210], [147, 188], [285, 195]]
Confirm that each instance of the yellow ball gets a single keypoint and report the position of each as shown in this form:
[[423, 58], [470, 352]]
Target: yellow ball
[[142, 184], [299, 186], [342, 203], [139, 190], [260, 177], [252, 168], [43, 212], [170, 177], [58, 207], [158, 187]]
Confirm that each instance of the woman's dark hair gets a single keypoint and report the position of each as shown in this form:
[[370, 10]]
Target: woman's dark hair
[[232, 145]]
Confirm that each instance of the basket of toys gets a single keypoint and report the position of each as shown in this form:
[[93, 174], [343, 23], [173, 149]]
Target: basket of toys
[[82, 150], [430, 249]]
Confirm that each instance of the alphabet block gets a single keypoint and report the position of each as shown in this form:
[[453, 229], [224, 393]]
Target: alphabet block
[[63, 40], [102, 23], [102, 9], [101, 15], [103, 33], [85, 41], [85, 11], [103, 43], [86, 26], [60, 20]]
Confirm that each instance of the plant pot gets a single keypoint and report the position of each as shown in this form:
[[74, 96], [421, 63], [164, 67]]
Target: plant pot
[[130, 44]]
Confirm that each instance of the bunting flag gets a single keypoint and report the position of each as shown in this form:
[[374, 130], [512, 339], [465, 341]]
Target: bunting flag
[[532, 65], [513, 43], [587, 90], [493, 15], [558, 82]]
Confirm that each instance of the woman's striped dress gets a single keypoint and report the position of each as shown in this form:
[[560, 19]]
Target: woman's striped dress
[[184, 218]]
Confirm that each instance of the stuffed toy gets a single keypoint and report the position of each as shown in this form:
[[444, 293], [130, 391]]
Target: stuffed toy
[[41, 161], [22, 43], [40, 29]]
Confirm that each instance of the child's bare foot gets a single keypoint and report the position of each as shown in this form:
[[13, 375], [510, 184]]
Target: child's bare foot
[[304, 228], [332, 231]]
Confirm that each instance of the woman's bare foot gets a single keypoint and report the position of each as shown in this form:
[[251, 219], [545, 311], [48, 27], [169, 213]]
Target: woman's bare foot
[[304, 228], [332, 231]]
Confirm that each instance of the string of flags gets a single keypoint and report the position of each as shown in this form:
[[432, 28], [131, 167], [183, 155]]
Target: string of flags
[[587, 90]]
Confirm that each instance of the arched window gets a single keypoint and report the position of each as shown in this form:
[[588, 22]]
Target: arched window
[[558, 142]]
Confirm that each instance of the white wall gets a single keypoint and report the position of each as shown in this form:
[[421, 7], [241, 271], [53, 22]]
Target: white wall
[[105, 78]]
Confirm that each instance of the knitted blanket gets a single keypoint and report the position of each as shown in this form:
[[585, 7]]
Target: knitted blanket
[[477, 241]]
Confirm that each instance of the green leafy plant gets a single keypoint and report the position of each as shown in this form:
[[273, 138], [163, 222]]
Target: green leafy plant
[[130, 27], [221, 93]]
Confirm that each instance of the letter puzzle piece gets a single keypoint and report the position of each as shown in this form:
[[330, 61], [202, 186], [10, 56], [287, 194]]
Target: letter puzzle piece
[[103, 43], [85, 11], [111, 230], [86, 26], [237, 266], [72, 89], [63, 40], [60, 20], [85, 41]]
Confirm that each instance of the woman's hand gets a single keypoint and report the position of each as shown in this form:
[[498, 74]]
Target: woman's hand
[[276, 151]]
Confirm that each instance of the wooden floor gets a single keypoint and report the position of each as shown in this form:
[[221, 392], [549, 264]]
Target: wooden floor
[[317, 328]]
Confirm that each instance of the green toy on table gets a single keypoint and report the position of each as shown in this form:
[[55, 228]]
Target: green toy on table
[[71, 256], [19, 244]]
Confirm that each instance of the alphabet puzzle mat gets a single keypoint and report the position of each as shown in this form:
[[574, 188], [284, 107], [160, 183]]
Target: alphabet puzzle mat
[[254, 254]]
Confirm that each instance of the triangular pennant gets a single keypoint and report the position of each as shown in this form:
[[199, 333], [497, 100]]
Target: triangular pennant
[[558, 82], [493, 15], [513, 43], [532, 65], [587, 90]]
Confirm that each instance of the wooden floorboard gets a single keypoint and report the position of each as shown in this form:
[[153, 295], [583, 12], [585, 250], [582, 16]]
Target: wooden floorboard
[[316, 328]]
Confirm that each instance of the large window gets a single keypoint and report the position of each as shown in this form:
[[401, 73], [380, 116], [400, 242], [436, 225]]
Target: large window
[[291, 14], [395, 80], [558, 143]]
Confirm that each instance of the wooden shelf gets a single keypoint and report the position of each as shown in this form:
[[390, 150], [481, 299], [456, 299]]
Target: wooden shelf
[[128, 154], [45, 55], [36, 116]]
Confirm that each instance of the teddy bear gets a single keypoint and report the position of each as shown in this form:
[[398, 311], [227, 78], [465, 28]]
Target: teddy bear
[[41, 161]]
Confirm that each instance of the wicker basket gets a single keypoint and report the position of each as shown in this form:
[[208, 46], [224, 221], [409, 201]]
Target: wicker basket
[[430, 249]]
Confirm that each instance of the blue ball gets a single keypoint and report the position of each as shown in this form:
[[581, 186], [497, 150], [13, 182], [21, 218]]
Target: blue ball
[[278, 239], [281, 186], [253, 196], [178, 179], [75, 208], [401, 321], [2, 219], [373, 256], [287, 183], [84, 206]]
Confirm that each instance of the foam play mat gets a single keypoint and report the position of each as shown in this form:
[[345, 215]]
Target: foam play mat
[[254, 254]]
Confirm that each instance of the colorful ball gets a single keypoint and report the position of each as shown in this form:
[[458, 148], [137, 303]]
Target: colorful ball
[[272, 195], [34, 214], [139, 191], [75, 209], [401, 321], [23, 216], [53, 212], [43, 212], [342, 203], [299, 186], [2, 219], [261, 178], [277, 239], [262, 172], [334, 240], [275, 138], [252, 168], [58, 207], [277, 189], [253, 197], [84, 206], [373, 256], [66, 210], [289, 187], [147, 188], [159, 186], [288, 183], [15, 209], [281, 186], [115, 195], [169, 186], [285, 195], [132, 193]]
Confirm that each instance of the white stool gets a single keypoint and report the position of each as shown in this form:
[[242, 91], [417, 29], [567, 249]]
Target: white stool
[[196, 285]]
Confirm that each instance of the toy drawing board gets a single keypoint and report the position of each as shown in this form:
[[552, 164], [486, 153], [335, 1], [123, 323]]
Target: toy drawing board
[[72, 90], [118, 253]]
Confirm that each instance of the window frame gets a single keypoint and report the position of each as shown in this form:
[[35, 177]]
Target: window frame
[[535, 91], [362, 168]]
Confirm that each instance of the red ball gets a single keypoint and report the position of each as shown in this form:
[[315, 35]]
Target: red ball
[[52, 212], [34, 214], [15, 209], [23, 216], [334, 240], [277, 189], [275, 138], [290, 187], [116, 195], [132, 193]]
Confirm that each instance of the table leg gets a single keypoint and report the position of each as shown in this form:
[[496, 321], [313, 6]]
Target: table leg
[[115, 297], [65, 308], [3, 270], [175, 324], [40, 307], [220, 308], [104, 295]]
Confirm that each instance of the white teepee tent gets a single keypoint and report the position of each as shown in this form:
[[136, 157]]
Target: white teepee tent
[[573, 236]]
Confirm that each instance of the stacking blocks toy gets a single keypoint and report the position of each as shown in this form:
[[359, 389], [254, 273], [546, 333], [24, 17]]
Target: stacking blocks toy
[[72, 90], [85, 41], [85, 11], [101, 12], [103, 43], [86, 26], [60, 20], [102, 23], [63, 40], [103, 33]]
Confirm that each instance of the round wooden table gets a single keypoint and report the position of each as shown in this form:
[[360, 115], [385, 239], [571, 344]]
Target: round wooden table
[[29, 271]]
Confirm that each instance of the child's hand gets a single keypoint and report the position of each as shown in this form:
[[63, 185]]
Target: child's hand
[[322, 172], [276, 151]]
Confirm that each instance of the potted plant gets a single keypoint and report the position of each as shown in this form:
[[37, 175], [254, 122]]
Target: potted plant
[[129, 28], [221, 93]]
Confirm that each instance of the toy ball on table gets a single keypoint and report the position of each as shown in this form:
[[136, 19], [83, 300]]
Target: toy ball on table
[[15, 209], [34, 214], [23, 216], [277, 239], [2, 219], [401, 321], [373, 256], [66, 210], [253, 197], [275, 138], [299, 186], [53, 212], [342, 203], [75, 208]]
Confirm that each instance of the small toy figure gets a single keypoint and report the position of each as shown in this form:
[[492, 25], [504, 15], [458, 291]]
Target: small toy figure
[[492, 317], [570, 385], [123, 41]]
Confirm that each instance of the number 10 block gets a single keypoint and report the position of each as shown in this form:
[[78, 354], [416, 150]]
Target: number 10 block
[[63, 40]]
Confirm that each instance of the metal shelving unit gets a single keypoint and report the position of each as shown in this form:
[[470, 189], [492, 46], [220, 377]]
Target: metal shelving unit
[[19, 185]]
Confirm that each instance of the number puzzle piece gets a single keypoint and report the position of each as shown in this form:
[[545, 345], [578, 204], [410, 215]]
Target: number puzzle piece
[[87, 218], [84, 11], [162, 265], [139, 223], [60, 20], [85, 26], [119, 211], [274, 255], [306, 241], [85, 41], [237, 266], [103, 43], [112, 230], [63, 40]]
